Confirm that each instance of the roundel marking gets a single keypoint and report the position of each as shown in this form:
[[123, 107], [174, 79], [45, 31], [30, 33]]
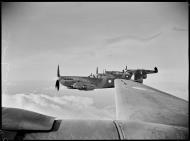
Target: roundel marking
[[109, 81]]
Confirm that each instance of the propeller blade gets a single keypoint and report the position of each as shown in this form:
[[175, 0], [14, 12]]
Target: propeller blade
[[57, 85], [58, 74]]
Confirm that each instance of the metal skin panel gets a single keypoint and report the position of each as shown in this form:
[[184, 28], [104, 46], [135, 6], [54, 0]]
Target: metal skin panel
[[147, 130], [135, 101], [79, 129], [19, 119]]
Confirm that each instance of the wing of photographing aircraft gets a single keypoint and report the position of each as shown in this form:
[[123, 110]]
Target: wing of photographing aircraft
[[142, 113], [145, 112]]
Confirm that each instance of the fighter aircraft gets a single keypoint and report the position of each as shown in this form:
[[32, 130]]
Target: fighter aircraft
[[97, 81], [142, 112], [101, 80], [139, 74]]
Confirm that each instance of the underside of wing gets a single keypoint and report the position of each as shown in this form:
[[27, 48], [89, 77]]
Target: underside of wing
[[135, 101]]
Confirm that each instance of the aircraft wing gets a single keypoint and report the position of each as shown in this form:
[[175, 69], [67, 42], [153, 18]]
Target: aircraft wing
[[143, 108], [140, 102], [20, 119], [19, 124]]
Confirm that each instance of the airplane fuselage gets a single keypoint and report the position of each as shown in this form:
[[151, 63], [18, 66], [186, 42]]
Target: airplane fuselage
[[97, 83]]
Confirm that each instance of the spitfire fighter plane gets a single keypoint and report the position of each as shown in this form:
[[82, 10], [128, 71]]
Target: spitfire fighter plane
[[139, 74], [101, 80], [90, 82]]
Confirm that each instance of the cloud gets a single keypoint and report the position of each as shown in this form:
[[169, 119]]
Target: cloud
[[75, 107], [132, 38]]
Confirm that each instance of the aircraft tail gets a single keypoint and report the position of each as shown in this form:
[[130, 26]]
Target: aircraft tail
[[57, 85], [155, 69]]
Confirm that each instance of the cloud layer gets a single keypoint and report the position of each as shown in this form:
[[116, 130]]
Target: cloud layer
[[75, 107]]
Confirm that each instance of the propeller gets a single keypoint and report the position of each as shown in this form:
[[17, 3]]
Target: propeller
[[57, 85], [57, 82]]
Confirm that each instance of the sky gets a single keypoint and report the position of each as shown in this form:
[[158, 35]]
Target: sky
[[79, 36]]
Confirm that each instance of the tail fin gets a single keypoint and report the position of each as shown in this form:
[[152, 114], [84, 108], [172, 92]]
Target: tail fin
[[155, 69]]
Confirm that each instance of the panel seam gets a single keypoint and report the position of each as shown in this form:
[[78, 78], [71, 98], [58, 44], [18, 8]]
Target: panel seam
[[119, 130]]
